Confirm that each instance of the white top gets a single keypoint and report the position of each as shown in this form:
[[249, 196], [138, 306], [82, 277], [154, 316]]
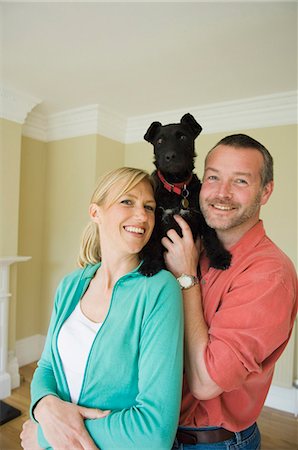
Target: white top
[[74, 343]]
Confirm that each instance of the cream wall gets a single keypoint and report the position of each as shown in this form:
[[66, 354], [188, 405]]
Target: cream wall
[[70, 172], [109, 155], [31, 222], [57, 180], [10, 156]]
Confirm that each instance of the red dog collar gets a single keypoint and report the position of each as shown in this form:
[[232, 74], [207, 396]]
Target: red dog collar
[[175, 187]]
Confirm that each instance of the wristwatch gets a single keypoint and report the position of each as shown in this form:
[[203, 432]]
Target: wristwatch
[[187, 281]]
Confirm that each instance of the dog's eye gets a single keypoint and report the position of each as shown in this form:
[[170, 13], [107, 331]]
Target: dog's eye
[[182, 137], [159, 141]]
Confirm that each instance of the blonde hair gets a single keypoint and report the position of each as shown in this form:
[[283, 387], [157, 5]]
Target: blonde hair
[[125, 179]]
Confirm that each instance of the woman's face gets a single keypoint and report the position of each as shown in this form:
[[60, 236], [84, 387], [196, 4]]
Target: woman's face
[[126, 225]]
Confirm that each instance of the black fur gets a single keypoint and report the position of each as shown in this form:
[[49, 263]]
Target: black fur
[[174, 157]]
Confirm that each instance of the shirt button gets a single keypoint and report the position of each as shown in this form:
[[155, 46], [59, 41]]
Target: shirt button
[[203, 281]]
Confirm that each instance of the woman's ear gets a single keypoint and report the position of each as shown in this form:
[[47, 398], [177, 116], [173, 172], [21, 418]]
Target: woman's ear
[[94, 212]]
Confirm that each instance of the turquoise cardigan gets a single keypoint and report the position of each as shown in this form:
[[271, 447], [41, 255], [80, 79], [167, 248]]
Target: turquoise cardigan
[[134, 366]]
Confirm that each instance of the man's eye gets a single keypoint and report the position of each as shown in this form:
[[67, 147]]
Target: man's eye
[[212, 177], [241, 181]]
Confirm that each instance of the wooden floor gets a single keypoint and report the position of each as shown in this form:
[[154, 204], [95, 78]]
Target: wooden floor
[[279, 430]]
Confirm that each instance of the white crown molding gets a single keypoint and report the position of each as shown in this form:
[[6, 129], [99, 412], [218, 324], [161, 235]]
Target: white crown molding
[[90, 119], [35, 126], [15, 106], [74, 122], [258, 112]]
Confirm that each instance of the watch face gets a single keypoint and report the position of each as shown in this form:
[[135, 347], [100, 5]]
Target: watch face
[[185, 281]]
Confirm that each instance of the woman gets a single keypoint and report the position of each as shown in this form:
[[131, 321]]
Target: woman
[[110, 373]]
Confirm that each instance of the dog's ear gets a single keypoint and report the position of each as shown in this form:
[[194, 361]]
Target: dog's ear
[[151, 132], [189, 120]]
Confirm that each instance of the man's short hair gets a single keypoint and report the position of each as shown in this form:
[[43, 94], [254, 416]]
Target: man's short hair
[[244, 141]]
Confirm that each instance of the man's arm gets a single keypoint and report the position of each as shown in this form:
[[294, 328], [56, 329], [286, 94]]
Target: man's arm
[[182, 257]]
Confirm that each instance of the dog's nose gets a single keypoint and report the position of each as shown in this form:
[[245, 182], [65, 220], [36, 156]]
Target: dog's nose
[[169, 156]]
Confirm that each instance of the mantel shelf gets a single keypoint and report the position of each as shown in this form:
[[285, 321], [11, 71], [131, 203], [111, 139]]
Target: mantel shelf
[[7, 260]]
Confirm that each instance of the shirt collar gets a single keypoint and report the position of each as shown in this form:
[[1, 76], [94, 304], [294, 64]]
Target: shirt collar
[[250, 239], [89, 271]]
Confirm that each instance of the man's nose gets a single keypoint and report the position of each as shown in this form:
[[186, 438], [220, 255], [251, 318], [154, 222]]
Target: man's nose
[[224, 189]]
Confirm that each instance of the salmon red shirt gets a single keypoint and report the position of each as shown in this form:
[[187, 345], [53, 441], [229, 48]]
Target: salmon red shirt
[[250, 311]]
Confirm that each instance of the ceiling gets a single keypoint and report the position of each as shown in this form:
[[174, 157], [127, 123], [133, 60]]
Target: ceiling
[[136, 58]]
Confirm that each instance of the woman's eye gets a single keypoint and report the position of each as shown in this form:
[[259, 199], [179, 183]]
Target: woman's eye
[[126, 201], [149, 208]]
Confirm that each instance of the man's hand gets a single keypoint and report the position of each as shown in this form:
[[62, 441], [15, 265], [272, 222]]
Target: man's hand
[[182, 254], [63, 423]]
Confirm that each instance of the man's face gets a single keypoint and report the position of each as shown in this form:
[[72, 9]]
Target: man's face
[[232, 193]]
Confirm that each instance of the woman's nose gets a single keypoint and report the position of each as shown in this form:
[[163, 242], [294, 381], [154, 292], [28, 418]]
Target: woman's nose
[[141, 213]]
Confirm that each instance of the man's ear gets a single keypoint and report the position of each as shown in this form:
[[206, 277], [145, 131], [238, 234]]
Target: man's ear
[[94, 212], [267, 191]]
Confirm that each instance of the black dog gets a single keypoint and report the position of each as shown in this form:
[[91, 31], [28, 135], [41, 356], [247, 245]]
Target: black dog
[[177, 192]]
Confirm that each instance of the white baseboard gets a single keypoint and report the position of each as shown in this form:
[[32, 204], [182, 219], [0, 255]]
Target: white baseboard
[[5, 385], [29, 349], [13, 370], [284, 399]]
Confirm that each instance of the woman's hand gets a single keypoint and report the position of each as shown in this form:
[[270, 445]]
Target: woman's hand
[[63, 423], [182, 255], [28, 436]]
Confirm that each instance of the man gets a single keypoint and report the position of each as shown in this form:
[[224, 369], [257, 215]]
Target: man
[[237, 321]]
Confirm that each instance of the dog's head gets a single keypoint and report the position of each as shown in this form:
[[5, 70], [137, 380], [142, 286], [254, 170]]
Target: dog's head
[[174, 148]]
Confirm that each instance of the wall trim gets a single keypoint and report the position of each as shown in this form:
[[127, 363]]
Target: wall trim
[[13, 370], [29, 349], [284, 399], [257, 112], [15, 106], [35, 126], [76, 122]]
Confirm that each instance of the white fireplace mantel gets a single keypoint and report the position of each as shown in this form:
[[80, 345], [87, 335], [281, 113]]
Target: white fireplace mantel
[[5, 263]]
